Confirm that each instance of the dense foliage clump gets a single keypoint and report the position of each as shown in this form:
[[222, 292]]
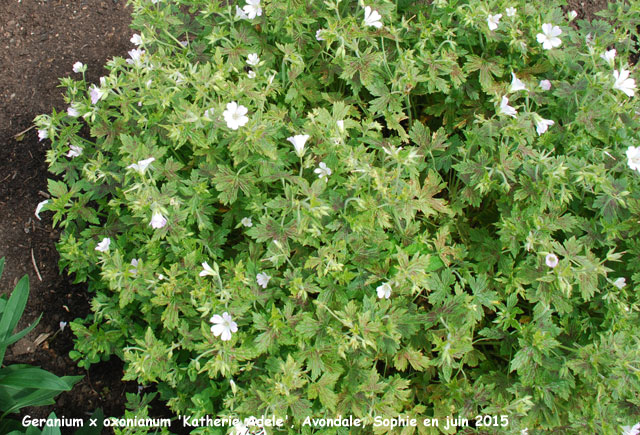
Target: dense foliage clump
[[334, 208]]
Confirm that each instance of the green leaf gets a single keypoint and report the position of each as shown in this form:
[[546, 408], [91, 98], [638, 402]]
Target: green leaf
[[411, 356], [51, 430], [11, 427], [12, 313], [97, 415], [17, 336], [57, 188], [482, 295], [381, 91], [228, 182], [323, 389], [487, 67], [420, 134], [21, 377]]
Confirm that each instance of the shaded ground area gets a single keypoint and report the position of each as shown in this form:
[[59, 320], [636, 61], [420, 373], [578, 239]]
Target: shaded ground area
[[40, 42], [586, 9]]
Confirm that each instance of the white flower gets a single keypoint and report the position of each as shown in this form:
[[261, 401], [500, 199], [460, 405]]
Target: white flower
[[134, 269], [103, 246], [136, 39], [551, 260], [72, 111], [549, 36], [240, 14], [62, 326], [588, 40], [42, 134], [542, 124], [78, 67], [251, 74], [609, 56], [511, 12], [633, 158], [184, 43], [505, 109], [340, 125], [39, 208], [74, 151], [620, 282], [223, 326], [235, 115], [240, 429], [263, 279], [142, 165], [623, 82], [384, 291], [628, 430], [524, 431], [207, 270], [372, 18], [493, 21], [246, 221], [253, 59], [252, 9], [135, 56], [545, 85], [572, 15], [298, 142], [323, 170], [516, 84], [178, 77], [319, 35], [157, 220], [97, 93], [160, 277]]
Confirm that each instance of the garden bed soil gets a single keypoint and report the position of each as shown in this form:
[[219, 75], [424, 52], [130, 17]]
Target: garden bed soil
[[40, 42]]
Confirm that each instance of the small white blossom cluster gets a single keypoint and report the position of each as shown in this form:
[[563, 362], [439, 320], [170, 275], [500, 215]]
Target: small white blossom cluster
[[79, 67], [493, 21], [549, 36], [384, 291], [251, 10], [223, 325], [542, 125], [631, 430], [235, 115], [623, 82], [551, 260], [298, 142], [372, 18], [103, 246], [633, 158]]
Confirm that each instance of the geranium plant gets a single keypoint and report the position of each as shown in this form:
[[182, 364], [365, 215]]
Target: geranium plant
[[367, 209]]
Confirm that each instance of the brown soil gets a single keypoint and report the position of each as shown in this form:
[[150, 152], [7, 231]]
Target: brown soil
[[40, 42], [586, 9]]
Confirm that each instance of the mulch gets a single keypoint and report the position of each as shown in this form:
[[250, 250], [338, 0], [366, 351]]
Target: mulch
[[40, 42]]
